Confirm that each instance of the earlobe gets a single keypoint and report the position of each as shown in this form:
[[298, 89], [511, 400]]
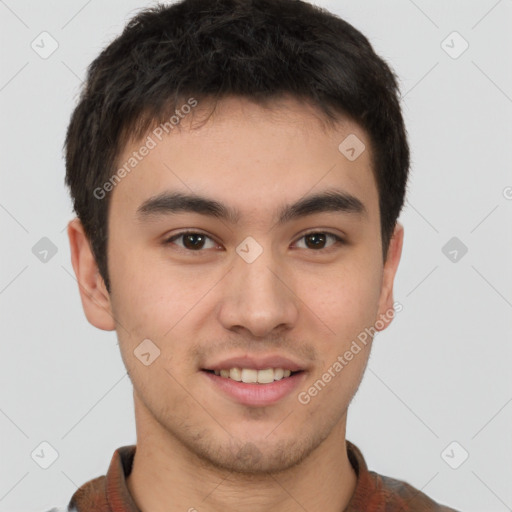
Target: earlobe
[[386, 310], [93, 293]]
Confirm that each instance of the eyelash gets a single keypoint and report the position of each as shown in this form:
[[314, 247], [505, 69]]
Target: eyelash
[[338, 240]]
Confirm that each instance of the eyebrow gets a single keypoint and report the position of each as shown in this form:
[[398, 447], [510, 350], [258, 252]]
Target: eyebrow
[[330, 201]]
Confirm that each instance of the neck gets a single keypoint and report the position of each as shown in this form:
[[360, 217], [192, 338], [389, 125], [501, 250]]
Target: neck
[[167, 476]]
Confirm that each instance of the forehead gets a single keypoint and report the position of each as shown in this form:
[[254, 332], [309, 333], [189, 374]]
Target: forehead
[[254, 159]]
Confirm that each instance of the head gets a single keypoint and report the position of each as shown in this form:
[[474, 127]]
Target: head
[[238, 109]]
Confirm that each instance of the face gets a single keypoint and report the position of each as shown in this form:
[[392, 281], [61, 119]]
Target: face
[[249, 281]]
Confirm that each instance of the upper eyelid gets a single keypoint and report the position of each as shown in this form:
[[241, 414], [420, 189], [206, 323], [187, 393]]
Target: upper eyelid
[[190, 232]]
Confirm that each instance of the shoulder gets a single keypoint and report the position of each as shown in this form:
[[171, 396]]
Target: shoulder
[[379, 493], [91, 496], [402, 496]]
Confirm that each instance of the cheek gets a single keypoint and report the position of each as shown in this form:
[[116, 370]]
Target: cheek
[[160, 302], [152, 294], [345, 299], [344, 307]]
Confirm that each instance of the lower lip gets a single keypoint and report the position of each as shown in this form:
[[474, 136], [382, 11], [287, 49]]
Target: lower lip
[[256, 394]]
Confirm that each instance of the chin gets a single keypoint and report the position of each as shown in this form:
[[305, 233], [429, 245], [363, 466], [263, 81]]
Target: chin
[[257, 459]]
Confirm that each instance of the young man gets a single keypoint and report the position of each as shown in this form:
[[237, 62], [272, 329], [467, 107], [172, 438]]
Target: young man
[[237, 169]]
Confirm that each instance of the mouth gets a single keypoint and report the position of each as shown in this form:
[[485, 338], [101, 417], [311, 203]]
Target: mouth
[[254, 388]]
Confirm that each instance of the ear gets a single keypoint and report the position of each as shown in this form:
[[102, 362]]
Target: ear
[[93, 293], [386, 301]]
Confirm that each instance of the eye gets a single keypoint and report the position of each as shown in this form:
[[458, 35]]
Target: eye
[[192, 241], [316, 240]]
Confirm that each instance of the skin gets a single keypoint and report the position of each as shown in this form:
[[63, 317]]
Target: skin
[[196, 447]]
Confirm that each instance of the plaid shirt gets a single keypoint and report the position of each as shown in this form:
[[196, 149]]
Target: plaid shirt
[[373, 492]]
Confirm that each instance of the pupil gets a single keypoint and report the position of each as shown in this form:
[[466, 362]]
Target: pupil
[[317, 239], [191, 242]]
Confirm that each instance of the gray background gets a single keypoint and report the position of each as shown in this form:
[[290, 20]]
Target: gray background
[[440, 373]]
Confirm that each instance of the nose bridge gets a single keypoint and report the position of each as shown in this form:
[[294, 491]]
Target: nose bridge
[[257, 297], [256, 276]]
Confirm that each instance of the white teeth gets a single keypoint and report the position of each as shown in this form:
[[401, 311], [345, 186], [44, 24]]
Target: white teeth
[[266, 376], [235, 374], [251, 376], [278, 373]]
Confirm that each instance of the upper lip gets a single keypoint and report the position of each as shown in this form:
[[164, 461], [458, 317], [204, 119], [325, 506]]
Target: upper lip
[[256, 363]]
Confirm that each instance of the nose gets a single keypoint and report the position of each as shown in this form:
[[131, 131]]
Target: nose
[[258, 297]]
